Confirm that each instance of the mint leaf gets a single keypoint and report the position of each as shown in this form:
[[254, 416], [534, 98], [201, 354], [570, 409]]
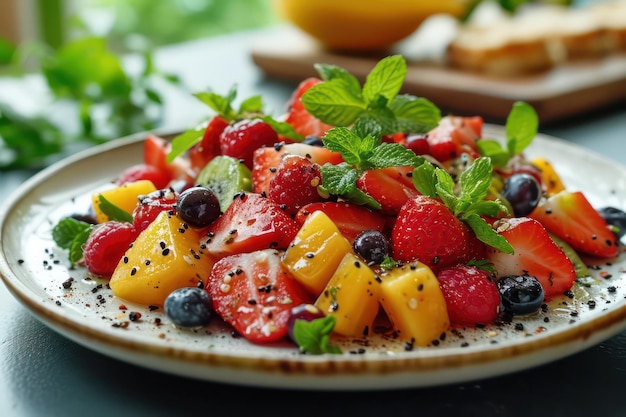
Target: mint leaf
[[392, 155], [222, 105], [314, 336], [184, 141], [329, 72], [521, 127], [71, 234], [385, 79], [64, 232], [415, 114], [283, 128], [486, 234], [334, 102], [113, 212], [476, 180], [338, 179], [424, 180], [352, 147]]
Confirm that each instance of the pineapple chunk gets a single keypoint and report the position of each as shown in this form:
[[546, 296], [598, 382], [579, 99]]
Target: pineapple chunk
[[164, 257], [414, 303], [125, 197], [351, 296], [315, 252]]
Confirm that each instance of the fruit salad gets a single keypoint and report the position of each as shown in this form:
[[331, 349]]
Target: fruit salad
[[359, 210]]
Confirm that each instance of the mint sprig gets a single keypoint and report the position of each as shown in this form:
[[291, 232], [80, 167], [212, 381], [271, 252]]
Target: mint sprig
[[341, 101], [314, 336], [71, 234], [522, 125], [470, 204]]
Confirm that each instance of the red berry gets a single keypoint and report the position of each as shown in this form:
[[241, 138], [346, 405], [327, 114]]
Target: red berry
[[159, 178], [243, 138], [151, 205], [106, 246], [471, 297], [295, 183]]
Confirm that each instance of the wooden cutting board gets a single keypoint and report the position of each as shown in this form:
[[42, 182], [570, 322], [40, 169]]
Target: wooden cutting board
[[565, 91]]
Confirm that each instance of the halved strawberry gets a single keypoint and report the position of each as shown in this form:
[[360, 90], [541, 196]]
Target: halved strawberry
[[250, 223], [254, 293], [151, 205], [241, 139], [535, 254], [266, 161], [570, 216], [300, 119], [159, 178], [428, 231], [209, 147], [350, 219], [392, 187], [295, 183], [155, 152]]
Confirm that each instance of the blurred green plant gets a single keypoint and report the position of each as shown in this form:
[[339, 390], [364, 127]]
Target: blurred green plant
[[89, 79]]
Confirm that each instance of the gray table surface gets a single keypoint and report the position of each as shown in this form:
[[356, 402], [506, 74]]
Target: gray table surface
[[44, 374]]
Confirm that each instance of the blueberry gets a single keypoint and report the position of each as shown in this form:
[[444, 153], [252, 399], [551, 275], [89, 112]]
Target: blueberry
[[314, 141], [520, 294], [372, 246], [616, 218], [198, 206], [523, 192], [189, 307]]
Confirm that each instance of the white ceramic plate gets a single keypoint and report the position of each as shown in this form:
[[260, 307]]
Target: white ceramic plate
[[34, 271]]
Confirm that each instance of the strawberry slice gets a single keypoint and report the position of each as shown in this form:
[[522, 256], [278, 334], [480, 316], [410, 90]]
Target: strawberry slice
[[254, 293], [241, 139], [350, 219], [391, 187], [428, 231], [453, 136], [209, 147], [155, 150], [299, 118], [570, 216], [535, 254], [266, 161], [250, 223]]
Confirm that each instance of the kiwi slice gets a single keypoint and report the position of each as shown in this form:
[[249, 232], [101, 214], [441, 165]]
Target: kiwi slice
[[226, 177], [582, 272]]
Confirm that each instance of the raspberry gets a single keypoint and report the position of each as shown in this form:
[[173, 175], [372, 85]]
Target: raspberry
[[295, 183], [151, 205], [471, 297], [106, 246]]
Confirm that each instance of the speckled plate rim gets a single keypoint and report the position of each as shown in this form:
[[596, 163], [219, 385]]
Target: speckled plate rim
[[326, 372]]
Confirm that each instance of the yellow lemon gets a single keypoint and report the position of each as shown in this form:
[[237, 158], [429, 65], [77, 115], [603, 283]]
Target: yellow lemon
[[363, 24]]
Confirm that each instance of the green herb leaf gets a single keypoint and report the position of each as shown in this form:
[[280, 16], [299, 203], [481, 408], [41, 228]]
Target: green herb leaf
[[314, 336], [385, 79], [392, 155], [352, 147], [113, 212], [64, 232], [521, 127], [334, 102], [184, 141], [415, 114], [282, 128], [339, 179], [486, 234], [71, 234], [329, 72], [222, 105]]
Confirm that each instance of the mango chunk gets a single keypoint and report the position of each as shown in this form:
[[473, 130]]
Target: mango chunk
[[316, 251], [164, 257], [125, 197], [351, 296], [414, 303], [551, 179]]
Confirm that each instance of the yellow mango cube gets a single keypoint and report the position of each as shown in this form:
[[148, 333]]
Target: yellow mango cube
[[414, 303], [351, 296], [164, 257], [125, 197], [315, 252], [551, 179]]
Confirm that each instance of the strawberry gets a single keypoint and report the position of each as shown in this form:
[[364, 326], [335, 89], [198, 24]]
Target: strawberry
[[428, 231], [350, 219], [250, 223], [254, 293], [471, 297], [295, 183], [106, 245], [159, 178], [155, 154], [570, 216], [391, 187], [535, 254], [266, 161], [151, 205], [299, 118], [209, 147], [241, 139], [453, 136]]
